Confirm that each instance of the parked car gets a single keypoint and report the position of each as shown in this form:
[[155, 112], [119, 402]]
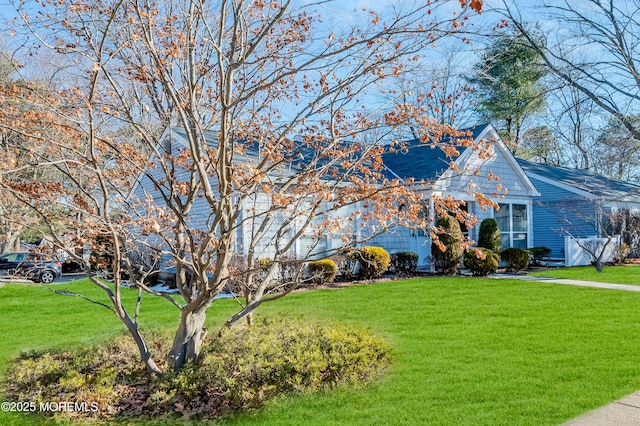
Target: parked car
[[34, 266]]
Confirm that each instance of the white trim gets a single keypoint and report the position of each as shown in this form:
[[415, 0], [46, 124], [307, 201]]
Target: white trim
[[489, 133], [533, 191], [529, 206]]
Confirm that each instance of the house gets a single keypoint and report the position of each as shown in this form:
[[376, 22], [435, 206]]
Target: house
[[575, 204], [419, 162], [538, 204], [254, 229], [430, 169], [543, 205]]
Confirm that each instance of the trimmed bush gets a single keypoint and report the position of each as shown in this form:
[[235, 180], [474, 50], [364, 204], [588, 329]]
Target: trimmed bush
[[240, 369], [489, 235], [323, 271], [450, 235], [404, 262], [481, 261], [539, 254], [373, 261], [516, 258]]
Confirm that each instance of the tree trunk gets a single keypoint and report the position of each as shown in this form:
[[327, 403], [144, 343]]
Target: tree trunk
[[598, 265], [188, 339], [145, 355]]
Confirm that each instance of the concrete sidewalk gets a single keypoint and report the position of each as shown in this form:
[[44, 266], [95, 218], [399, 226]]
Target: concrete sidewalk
[[623, 412], [595, 284]]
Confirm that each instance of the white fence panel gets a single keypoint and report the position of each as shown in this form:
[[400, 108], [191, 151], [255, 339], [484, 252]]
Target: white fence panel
[[576, 255]]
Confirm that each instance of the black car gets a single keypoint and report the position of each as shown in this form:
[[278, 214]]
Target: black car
[[35, 266]]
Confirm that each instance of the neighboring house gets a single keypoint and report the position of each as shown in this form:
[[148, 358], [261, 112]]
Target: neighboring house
[[575, 204], [430, 169]]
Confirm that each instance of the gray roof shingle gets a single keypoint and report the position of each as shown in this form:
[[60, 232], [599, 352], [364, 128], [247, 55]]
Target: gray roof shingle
[[600, 186], [421, 161]]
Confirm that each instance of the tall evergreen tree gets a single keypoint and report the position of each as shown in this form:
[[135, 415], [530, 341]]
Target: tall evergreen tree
[[508, 83]]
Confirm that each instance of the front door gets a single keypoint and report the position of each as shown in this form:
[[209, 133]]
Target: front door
[[421, 245]]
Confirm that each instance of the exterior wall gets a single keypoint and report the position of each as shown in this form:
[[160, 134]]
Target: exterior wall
[[497, 177], [394, 241], [557, 212], [518, 190], [477, 175], [417, 241], [146, 193]]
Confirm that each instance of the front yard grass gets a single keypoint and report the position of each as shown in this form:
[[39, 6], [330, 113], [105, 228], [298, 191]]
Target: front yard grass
[[467, 350], [617, 274]]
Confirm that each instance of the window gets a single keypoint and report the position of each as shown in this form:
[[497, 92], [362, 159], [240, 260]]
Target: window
[[513, 223]]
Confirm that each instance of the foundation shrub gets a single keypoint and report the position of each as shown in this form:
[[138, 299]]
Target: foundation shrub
[[539, 254], [404, 262], [322, 271], [481, 261], [516, 258], [372, 262], [489, 235], [450, 235]]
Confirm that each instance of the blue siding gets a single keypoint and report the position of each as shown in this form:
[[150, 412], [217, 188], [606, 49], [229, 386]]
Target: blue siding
[[558, 212]]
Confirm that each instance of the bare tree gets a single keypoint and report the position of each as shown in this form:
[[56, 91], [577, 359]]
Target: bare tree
[[262, 109], [448, 101], [596, 52], [617, 152], [539, 144], [573, 122], [17, 95]]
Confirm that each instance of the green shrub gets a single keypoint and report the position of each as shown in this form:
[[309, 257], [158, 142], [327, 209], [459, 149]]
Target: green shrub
[[404, 262], [240, 368], [273, 358], [539, 254], [481, 261], [489, 235], [516, 258], [450, 235], [372, 261], [323, 271], [94, 375]]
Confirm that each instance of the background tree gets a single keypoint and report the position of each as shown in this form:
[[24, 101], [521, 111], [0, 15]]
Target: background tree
[[596, 51], [17, 94], [574, 122], [508, 84], [448, 99], [617, 152], [539, 144], [223, 78]]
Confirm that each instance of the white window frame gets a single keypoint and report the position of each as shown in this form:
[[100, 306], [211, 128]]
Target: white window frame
[[510, 233]]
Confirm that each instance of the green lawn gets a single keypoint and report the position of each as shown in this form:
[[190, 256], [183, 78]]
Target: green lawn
[[467, 350], [619, 274]]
